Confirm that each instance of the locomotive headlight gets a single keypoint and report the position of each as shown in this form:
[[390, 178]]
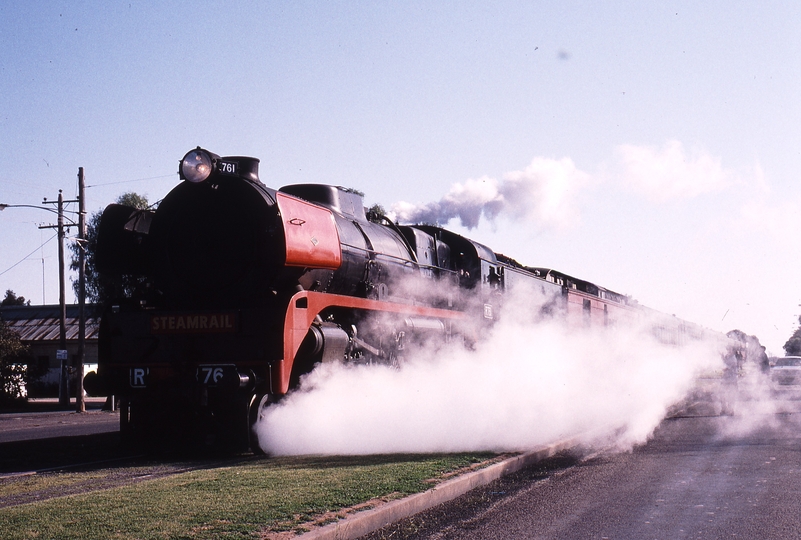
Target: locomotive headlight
[[197, 165]]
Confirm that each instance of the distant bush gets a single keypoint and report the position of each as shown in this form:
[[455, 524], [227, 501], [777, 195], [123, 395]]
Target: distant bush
[[793, 345], [13, 366]]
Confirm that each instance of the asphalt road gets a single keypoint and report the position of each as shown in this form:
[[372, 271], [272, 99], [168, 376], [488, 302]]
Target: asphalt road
[[700, 477], [26, 426]]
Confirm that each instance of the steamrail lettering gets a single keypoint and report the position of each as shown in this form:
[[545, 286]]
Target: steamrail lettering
[[206, 322]]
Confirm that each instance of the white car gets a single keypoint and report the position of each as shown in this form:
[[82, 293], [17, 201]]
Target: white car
[[786, 371]]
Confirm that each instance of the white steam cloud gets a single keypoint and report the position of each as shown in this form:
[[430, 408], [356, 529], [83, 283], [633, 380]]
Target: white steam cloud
[[542, 193], [545, 194], [529, 383], [669, 172]]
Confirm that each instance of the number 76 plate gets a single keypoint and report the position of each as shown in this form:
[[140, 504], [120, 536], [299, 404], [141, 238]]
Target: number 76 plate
[[218, 375]]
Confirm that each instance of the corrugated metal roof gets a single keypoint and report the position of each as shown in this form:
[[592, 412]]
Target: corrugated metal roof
[[42, 323]]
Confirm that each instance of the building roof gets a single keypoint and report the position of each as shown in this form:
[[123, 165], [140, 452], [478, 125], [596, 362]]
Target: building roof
[[41, 323]]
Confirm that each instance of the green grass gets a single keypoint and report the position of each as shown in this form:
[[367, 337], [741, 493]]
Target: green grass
[[238, 501]]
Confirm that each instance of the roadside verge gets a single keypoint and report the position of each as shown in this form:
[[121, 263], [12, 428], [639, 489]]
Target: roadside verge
[[362, 523]]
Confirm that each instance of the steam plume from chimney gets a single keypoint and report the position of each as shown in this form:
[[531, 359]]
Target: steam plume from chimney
[[542, 193]]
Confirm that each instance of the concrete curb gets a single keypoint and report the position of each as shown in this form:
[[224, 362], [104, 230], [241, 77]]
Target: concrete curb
[[362, 523]]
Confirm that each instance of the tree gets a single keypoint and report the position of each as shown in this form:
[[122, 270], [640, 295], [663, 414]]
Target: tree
[[12, 299], [376, 213], [96, 290], [13, 369], [793, 345], [134, 200]]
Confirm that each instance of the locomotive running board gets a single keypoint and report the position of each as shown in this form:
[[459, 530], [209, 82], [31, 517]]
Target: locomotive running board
[[304, 306]]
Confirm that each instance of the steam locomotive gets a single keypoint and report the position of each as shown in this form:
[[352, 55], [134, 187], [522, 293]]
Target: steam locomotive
[[229, 291]]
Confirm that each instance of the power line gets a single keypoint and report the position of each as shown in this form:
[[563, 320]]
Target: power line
[[26, 256], [136, 180]]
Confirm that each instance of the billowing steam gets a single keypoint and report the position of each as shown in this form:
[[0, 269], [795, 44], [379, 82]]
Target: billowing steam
[[670, 172], [545, 194], [542, 193], [528, 383]]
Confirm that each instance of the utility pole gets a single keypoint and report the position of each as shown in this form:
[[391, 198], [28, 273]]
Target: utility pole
[[61, 353], [80, 406], [63, 387]]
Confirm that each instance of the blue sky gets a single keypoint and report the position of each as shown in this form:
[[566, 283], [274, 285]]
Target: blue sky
[[650, 147]]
